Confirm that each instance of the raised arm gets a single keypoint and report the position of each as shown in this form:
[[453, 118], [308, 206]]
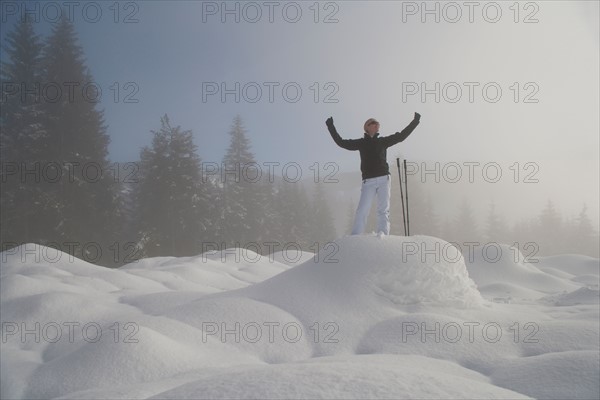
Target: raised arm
[[400, 136], [348, 144]]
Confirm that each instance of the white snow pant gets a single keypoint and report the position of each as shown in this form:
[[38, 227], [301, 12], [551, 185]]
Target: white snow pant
[[379, 186]]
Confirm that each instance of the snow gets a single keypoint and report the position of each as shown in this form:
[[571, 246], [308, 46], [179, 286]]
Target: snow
[[582, 295], [372, 316]]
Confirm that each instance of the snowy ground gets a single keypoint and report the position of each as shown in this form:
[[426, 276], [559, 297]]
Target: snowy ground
[[369, 317]]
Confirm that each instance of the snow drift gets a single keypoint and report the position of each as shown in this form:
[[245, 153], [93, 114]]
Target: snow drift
[[332, 326], [396, 269]]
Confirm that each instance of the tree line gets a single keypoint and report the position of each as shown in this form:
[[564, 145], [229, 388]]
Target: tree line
[[166, 208]]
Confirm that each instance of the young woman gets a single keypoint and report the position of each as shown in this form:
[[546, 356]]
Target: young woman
[[375, 170]]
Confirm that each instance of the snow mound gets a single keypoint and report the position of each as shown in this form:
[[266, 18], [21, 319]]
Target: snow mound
[[508, 291], [574, 264], [590, 280], [501, 263], [536, 376], [35, 270], [398, 269], [208, 272], [33, 257], [582, 295], [358, 377], [408, 270], [330, 327]]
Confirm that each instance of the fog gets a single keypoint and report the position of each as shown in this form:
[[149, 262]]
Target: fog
[[508, 88]]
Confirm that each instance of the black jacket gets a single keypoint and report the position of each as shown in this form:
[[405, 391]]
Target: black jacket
[[373, 154]]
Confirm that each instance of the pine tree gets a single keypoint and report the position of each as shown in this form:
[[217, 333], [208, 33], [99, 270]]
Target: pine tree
[[87, 206], [70, 201], [242, 205], [270, 226], [173, 200], [549, 230], [22, 141], [265, 215], [584, 237], [276, 209]]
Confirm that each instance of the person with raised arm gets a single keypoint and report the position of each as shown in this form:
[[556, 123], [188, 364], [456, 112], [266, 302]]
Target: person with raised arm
[[375, 170]]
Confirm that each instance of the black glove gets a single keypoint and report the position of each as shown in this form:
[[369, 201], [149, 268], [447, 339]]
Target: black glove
[[417, 116], [329, 123]]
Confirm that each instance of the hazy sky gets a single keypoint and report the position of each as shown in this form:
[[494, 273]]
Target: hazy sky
[[364, 61]]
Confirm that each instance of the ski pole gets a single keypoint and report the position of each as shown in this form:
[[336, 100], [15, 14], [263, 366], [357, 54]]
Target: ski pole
[[406, 190], [401, 195]]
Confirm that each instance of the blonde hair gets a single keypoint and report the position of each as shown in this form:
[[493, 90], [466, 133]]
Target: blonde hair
[[368, 122]]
